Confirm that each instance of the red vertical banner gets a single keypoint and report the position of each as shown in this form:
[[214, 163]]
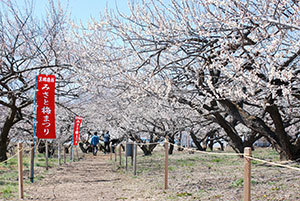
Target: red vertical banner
[[77, 123], [45, 114]]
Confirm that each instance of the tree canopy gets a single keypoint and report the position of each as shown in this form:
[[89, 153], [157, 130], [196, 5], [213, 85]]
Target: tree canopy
[[217, 69]]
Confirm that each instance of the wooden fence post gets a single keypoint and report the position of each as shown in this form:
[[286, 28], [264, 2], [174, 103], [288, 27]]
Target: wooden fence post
[[64, 154], [20, 170], [120, 154], [166, 161], [31, 163], [58, 154], [47, 154], [134, 157], [126, 159], [115, 149], [77, 155], [247, 173]]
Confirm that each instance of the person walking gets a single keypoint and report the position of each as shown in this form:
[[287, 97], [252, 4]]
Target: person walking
[[106, 141], [95, 142]]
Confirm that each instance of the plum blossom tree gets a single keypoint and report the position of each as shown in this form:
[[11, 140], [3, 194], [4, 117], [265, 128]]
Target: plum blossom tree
[[236, 62], [30, 47]]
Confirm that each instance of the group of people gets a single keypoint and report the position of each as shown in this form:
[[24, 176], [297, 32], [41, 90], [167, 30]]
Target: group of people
[[96, 139]]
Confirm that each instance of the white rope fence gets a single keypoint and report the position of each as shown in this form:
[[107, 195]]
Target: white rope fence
[[273, 163], [224, 154], [237, 154], [9, 158], [246, 155], [16, 154]]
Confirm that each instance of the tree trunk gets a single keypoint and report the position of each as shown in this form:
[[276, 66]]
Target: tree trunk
[[234, 137], [286, 146], [221, 145], [171, 149], [9, 122], [147, 149], [211, 145], [3, 148], [254, 123], [179, 143], [196, 141], [279, 138], [235, 140]]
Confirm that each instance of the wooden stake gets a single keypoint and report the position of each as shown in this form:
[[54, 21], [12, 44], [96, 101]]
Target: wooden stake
[[31, 164], [115, 148], [58, 154], [247, 174], [134, 157], [20, 168], [126, 159], [47, 153], [120, 154], [166, 161], [77, 155], [65, 155]]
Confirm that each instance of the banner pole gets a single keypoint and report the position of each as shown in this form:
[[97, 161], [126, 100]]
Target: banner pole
[[47, 154], [58, 141], [71, 157], [34, 132], [31, 159], [71, 154]]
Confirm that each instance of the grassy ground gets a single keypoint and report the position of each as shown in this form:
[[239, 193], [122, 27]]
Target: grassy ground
[[9, 173], [192, 176], [217, 177]]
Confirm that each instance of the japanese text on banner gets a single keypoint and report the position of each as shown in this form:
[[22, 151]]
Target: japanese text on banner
[[45, 107], [77, 124]]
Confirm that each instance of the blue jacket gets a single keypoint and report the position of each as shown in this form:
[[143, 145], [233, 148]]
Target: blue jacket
[[106, 137], [95, 140]]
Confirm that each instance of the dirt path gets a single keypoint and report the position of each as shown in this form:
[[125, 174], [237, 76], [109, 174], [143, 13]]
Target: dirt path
[[90, 179], [192, 177]]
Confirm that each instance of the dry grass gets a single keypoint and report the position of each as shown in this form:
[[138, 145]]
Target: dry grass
[[210, 177], [191, 177]]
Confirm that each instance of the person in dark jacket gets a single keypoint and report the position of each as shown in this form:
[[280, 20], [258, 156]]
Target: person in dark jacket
[[106, 141], [95, 142]]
